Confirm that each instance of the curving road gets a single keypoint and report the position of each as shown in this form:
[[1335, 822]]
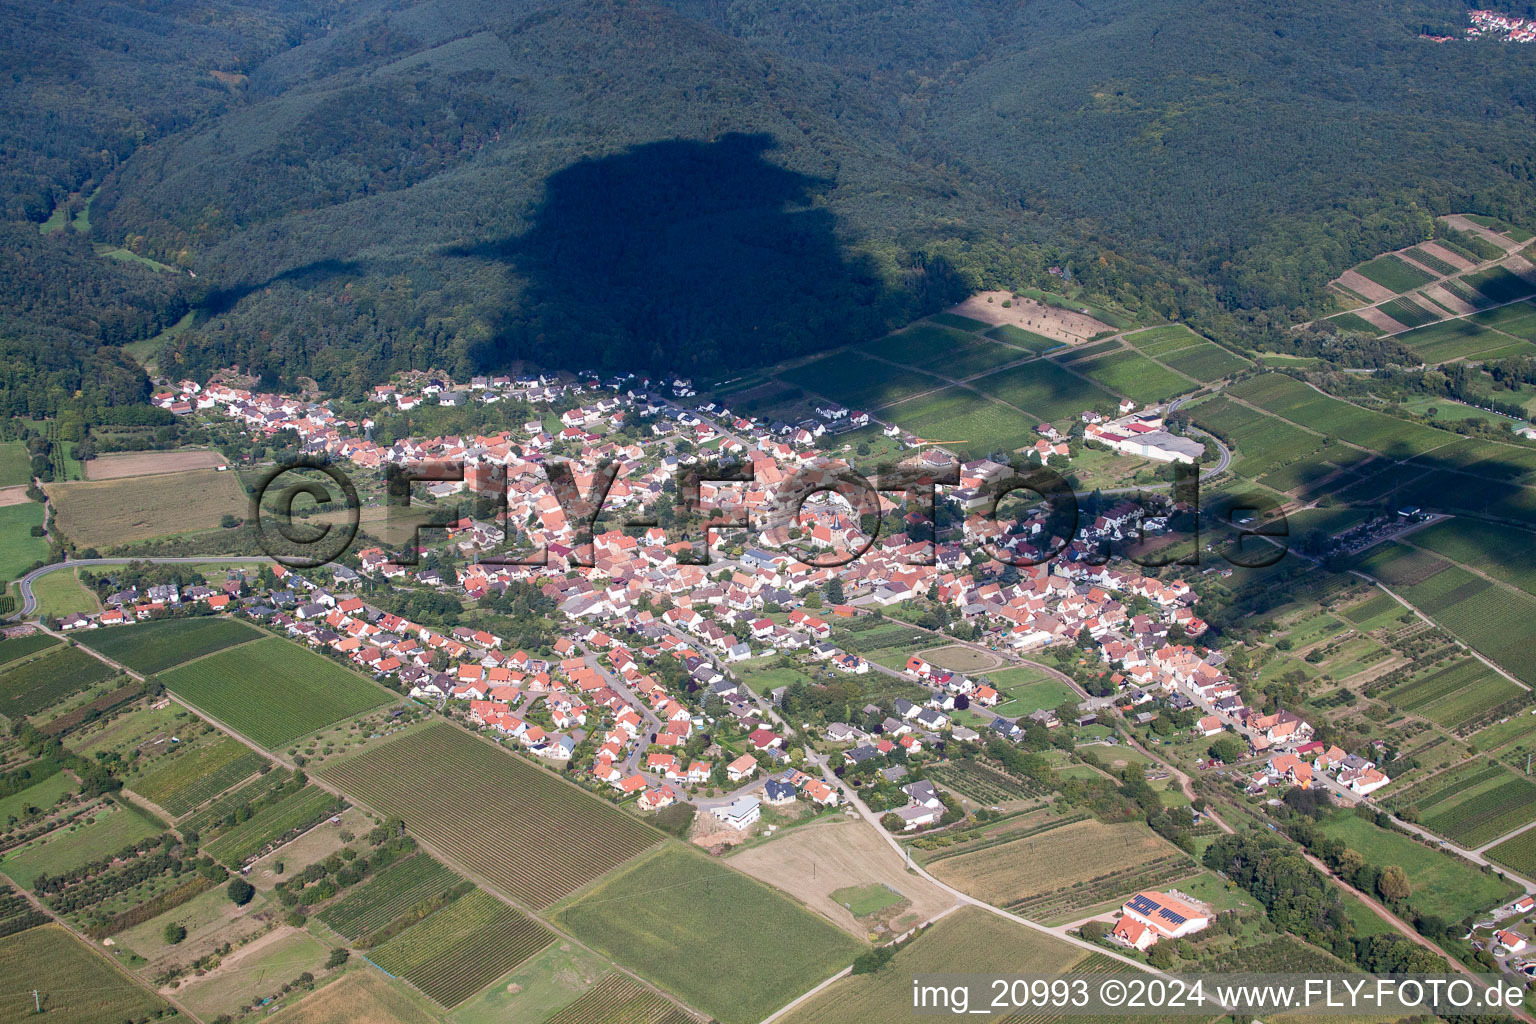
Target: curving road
[[29, 601]]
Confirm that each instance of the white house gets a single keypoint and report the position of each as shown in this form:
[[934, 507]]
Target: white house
[[739, 813]]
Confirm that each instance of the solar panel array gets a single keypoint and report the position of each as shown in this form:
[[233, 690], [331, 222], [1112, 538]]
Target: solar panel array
[[1147, 907]]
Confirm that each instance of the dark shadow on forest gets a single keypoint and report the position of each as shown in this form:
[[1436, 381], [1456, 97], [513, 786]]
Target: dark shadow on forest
[[688, 255], [221, 300]]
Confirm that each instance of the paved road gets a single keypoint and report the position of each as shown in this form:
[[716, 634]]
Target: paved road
[[29, 602]]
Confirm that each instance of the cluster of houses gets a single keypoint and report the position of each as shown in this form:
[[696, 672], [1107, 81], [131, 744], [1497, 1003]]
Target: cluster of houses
[[644, 586], [1497, 25]]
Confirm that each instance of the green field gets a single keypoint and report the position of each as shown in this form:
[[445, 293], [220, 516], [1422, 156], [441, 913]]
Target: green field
[[969, 940], [386, 896], [974, 425], [1027, 689], [863, 900], [20, 647], [1044, 390], [1488, 617], [1392, 273], [41, 795], [15, 464], [459, 950], [722, 942], [61, 593], [1518, 319], [1409, 313], [179, 780], [927, 346], [1292, 400], [150, 647], [260, 976], [516, 824], [858, 381], [299, 810], [1451, 339], [274, 691], [18, 548], [1499, 284], [1443, 884], [1455, 694], [1132, 374], [107, 832], [28, 687], [74, 984], [1020, 338]]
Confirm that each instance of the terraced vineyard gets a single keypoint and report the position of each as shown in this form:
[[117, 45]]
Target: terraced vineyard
[[1132, 374], [1472, 804], [1263, 443], [617, 997], [983, 782], [30, 686], [1408, 313], [296, 812], [181, 781], [1489, 618], [529, 833], [274, 691], [1044, 390], [1499, 284], [1518, 853], [225, 805], [1393, 274], [150, 647], [20, 647], [391, 893], [1068, 900], [1294, 401], [462, 948], [1455, 694]]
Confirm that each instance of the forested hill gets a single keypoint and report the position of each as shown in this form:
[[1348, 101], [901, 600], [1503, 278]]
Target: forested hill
[[366, 185]]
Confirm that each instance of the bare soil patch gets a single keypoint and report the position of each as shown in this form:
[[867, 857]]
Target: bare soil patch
[[1461, 223], [112, 467], [714, 835], [1408, 259], [1362, 285], [361, 997], [1448, 299], [1060, 324], [1453, 258], [13, 495], [1377, 318], [813, 861]]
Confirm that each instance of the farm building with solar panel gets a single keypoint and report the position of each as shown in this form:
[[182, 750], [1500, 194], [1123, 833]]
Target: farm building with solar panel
[[1149, 916]]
